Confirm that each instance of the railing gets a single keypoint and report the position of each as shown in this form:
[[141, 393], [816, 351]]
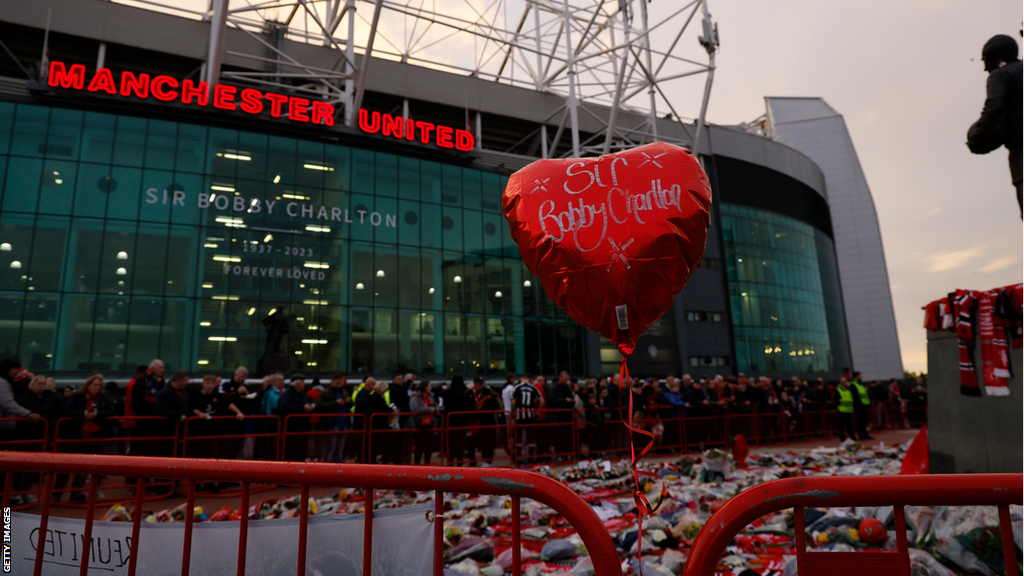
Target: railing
[[999, 490], [517, 484], [467, 437]]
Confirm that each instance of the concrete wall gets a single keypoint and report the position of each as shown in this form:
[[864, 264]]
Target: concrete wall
[[969, 434]]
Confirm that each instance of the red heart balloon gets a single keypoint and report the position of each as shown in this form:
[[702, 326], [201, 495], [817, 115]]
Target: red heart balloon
[[612, 239]]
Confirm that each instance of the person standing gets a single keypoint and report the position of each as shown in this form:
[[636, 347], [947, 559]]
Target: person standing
[[9, 408], [424, 404], [846, 402], [335, 400], [144, 400], [172, 402], [486, 405], [47, 403], [860, 407], [1000, 121], [525, 401]]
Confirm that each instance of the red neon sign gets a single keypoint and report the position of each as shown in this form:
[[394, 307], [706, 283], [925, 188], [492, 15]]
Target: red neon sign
[[167, 89], [409, 129]]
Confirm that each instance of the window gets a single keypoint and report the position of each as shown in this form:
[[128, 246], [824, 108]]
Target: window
[[705, 361], [700, 316]]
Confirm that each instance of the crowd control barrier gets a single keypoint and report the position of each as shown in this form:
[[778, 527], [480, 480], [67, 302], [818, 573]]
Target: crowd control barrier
[[495, 438], [517, 484], [29, 436], [323, 438], [999, 490]]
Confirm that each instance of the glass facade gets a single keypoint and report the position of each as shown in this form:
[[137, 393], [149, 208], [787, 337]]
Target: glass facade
[[124, 239], [787, 309]]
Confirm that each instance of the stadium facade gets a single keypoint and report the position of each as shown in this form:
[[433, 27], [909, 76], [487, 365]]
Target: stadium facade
[[142, 216]]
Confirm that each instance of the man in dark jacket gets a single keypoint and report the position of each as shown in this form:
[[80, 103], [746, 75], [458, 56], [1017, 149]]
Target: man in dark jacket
[[172, 402], [1000, 122], [294, 401], [144, 394]]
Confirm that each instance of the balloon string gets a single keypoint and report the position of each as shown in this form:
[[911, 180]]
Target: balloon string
[[643, 505]]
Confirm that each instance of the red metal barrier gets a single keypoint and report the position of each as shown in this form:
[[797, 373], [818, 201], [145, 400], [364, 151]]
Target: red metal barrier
[[842, 491], [476, 435], [225, 437], [496, 481], [323, 438], [25, 439], [152, 436], [554, 437]]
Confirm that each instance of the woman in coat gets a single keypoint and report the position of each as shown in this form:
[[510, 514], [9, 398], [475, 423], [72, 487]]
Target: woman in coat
[[424, 404]]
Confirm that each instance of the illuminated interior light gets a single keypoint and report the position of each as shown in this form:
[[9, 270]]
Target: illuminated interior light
[[232, 298], [277, 179], [122, 255], [15, 264], [431, 291], [205, 323], [497, 294], [222, 339], [294, 196], [251, 311], [222, 188], [298, 352], [318, 265], [316, 302], [207, 284], [121, 272], [58, 181], [5, 247], [210, 245], [380, 273], [310, 363], [457, 279], [241, 157], [318, 229], [359, 286], [267, 238], [202, 362], [527, 284], [222, 258], [314, 341], [318, 167]]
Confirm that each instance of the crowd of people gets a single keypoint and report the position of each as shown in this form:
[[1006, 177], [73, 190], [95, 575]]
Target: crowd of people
[[475, 414]]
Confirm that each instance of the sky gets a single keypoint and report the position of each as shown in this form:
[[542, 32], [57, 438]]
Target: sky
[[908, 79]]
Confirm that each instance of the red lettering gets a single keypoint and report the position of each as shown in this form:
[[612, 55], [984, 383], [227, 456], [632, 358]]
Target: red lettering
[[425, 128], [410, 129], [322, 111], [252, 101], [275, 103], [444, 137], [157, 87], [201, 92], [103, 80], [392, 126], [139, 85], [298, 109], [371, 126], [224, 97], [464, 140], [65, 79]]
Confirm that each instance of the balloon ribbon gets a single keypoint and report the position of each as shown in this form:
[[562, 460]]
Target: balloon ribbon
[[643, 505]]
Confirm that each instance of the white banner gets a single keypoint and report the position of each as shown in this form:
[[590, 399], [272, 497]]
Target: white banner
[[403, 545]]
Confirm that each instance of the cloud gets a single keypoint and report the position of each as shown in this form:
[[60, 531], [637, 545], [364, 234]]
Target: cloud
[[944, 260], [998, 264], [933, 211]]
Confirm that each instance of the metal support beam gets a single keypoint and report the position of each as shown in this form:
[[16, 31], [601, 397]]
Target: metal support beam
[[215, 53], [571, 72]]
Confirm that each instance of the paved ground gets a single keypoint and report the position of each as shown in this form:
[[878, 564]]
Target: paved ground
[[213, 503]]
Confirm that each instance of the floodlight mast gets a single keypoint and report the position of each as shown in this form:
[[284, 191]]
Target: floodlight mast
[[593, 53]]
